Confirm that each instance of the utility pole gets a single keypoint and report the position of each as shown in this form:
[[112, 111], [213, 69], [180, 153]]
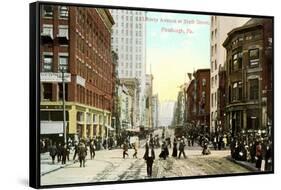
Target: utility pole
[[63, 103]]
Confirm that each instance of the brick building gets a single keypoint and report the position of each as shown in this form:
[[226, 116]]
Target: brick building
[[197, 96], [78, 42], [249, 78], [220, 127], [190, 106]]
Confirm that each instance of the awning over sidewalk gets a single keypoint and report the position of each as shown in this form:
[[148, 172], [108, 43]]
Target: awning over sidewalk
[[51, 127]]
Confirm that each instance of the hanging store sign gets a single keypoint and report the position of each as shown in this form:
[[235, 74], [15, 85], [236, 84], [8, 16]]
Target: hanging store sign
[[80, 80], [54, 77]]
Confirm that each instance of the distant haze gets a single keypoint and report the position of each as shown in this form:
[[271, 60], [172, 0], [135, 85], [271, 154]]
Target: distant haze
[[166, 110]]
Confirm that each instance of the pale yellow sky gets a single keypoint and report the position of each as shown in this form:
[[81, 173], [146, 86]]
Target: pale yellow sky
[[169, 71], [172, 55]]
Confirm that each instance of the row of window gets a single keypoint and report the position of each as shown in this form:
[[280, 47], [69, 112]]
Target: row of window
[[214, 99], [91, 54], [131, 65], [127, 25], [214, 34], [128, 18], [116, 32], [137, 49], [247, 37], [236, 62], [214, 50], [48, 29], [235, 91], [213, 20], [84, 96], [47, 92], [214, 65], [98, 80], [93, 31], [85, 48], [129, 73], [214, 80], [120, 11], [138, 57], [48, 63], [126, 41], [82, 70], [88, 97], [48, 11]]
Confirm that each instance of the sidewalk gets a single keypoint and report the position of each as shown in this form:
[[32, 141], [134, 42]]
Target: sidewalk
[[250, 166], [47, 166]]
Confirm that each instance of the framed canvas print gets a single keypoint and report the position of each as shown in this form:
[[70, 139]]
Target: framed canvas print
[[126, 94]]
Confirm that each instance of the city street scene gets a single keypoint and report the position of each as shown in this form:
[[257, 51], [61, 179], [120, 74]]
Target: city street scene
[[135, 95]]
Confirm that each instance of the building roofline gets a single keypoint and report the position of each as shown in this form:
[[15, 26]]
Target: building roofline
[[109, 16], [239, 29]]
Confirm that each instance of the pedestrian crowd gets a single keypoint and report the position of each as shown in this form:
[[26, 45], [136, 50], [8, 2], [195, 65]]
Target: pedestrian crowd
[[152, 143], [257, 151], [60, 151]]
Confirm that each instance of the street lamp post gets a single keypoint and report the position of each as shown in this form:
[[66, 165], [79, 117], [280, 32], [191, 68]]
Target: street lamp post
[[104, 117], [63, 103], [107, 129]]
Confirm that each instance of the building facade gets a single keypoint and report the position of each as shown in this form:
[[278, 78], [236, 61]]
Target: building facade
[[77, 42], [129, 42], [220, 124], [190, 106], [220, 26], [126, 107], [148, 100], [249, 78], [197, 97], [155, 111], [133, 86], [178, 118]]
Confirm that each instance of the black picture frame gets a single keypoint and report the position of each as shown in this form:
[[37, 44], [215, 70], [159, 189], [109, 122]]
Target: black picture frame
[[34, 98]]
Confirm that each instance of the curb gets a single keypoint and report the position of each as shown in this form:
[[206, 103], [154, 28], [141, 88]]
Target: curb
[[53, 170], [247, 166]]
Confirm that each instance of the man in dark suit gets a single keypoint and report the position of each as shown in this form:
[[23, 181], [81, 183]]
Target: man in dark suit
[[125, 150], [63, 153], [92, 149], [181, 148], [149, 156], [82, 153], [59, 151], [53, 152]]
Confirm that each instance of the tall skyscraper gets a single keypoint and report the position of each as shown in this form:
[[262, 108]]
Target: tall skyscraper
[[129, 42], [220, 26]]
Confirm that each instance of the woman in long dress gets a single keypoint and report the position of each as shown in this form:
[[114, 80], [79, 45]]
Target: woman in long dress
[[175, 149]]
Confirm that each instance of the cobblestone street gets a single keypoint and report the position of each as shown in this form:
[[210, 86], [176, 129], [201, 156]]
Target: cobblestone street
[[108, 165]]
